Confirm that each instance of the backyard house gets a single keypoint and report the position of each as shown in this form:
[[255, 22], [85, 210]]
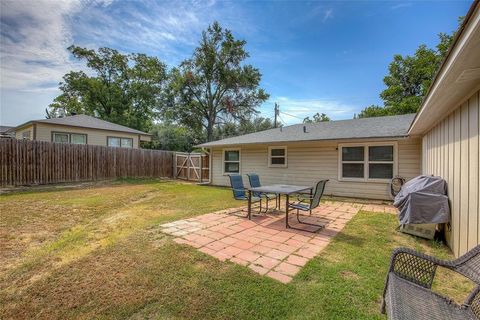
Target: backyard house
[[360, 156], [448, 123], [81, 129]]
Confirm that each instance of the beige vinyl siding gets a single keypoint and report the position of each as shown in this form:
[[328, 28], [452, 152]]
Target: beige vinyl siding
[[19, 133], [94, 136], [451, 150], [313, 161]]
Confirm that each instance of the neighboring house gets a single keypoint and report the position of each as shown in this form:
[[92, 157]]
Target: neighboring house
[[81, 129], [359, 156], [6, 132], [448, 123]]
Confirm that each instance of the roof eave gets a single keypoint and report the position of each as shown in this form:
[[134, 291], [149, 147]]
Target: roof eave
[[31, 122], [440, 70], [207, 145]]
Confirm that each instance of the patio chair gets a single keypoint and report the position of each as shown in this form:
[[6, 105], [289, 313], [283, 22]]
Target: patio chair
[[408, 294], [254, 181], [240, 192], [307, 203]]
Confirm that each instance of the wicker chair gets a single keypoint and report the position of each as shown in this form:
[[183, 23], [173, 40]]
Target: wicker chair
[[408, 293]]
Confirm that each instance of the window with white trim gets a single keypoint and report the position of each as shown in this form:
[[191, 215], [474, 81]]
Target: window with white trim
[[77, 138], [65, 137], [120, 142], [277, 157], [366, 162], [231, 161], [26, 135], [59, 137]]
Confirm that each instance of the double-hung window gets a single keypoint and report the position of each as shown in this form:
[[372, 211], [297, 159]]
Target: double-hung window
[[231, 161], [120, 142], [277, 157], [65, 137], [367, 162]]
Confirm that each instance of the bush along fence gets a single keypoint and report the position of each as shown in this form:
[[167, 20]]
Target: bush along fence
[[25, 162]]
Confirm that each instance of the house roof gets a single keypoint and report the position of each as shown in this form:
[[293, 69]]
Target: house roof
[[4, 129], [457, 78], [85, 121], [378, 127]]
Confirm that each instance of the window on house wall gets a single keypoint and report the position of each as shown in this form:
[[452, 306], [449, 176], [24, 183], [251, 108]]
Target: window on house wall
[[127, 143], [231, 161], [60, 137], [380, 162], [77, 138], [26, 135], [120, 142], [277, 157], [367, 162], [65, 137]]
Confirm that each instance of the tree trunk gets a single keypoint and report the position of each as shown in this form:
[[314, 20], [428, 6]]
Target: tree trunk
[[210, 130]]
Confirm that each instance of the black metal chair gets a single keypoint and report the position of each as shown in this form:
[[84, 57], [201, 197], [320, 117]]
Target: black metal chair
[[408, 294], [307, 203], [240, 192], [254, 181]]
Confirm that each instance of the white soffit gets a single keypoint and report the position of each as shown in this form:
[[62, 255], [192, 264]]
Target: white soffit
[[457, 78]]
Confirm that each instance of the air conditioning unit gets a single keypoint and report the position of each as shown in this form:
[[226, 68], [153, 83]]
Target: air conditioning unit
[[426, 231]]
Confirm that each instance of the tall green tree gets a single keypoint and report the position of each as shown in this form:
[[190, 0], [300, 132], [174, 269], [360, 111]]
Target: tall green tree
[[409, 78], [317, 117], [174, 137], [236, 128], [124, 89], [215, 84]]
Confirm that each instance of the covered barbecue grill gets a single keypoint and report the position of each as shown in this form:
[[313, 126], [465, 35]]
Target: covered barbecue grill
[[423, 200]]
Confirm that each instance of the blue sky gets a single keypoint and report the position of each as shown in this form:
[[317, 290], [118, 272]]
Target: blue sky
[[314, 56]]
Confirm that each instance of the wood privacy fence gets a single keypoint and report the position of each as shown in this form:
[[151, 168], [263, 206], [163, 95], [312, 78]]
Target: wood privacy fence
[[25, 162]]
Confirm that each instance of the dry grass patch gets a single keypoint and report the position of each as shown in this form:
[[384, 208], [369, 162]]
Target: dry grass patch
[[108, 260]]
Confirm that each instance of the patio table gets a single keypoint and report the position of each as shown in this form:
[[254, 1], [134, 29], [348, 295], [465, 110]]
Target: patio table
[[278, 189]]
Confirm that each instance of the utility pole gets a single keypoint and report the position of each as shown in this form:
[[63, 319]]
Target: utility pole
[[277, 110]]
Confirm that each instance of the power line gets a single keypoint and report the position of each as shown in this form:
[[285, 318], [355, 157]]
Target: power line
[[291, 115], [280, 117]]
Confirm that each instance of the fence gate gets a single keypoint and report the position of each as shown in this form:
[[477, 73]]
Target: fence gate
[[192, 166]]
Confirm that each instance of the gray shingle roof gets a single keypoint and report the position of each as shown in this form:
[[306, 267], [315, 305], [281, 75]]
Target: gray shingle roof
[[84, 121], [379, 127], [5, 128]]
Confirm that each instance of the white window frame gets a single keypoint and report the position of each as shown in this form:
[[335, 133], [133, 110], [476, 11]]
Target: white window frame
[[69, 134], [55, 133], [270, 164], [239, 161], [26, 135], [366, 161], [77, 134], [120, 140]]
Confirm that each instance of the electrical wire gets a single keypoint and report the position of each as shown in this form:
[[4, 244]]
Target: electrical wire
[[291, 115]]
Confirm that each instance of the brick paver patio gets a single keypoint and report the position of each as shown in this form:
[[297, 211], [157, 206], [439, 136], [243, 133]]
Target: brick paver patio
[[264, 244]]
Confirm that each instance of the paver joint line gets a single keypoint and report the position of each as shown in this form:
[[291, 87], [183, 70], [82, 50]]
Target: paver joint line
[[263, 244]]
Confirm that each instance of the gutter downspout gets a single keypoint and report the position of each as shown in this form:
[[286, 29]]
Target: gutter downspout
[[210, 156]]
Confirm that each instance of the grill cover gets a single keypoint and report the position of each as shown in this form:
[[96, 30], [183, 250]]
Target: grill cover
[[423, 200]]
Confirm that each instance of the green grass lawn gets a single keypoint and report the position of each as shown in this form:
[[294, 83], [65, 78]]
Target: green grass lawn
[[98, 253]]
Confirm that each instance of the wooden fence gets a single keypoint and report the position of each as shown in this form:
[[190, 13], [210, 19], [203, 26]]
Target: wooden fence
[[192, 166], [25, 162]]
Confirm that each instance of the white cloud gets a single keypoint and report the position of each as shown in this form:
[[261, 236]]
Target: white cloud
[[34, 38], [35, 34], [328, 14], [401, 5]]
